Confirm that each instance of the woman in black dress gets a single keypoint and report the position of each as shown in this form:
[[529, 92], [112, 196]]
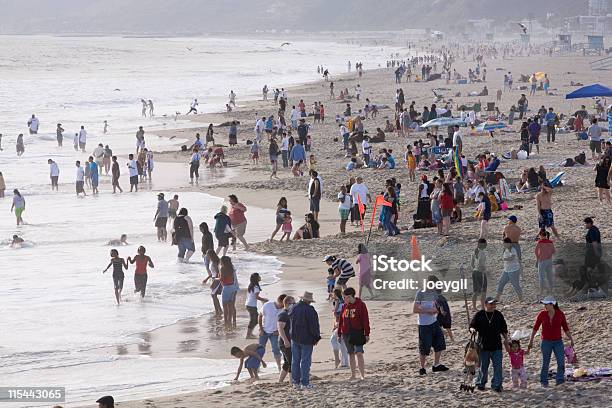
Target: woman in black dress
[[602, 179]]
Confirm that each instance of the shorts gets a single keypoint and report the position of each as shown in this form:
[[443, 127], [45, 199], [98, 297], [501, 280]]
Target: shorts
[[240, 229], [546, 218], [252, 316], [115, 181], [79, 187], [344, 213], [19, 211], [595, 146], [133, 180], [172, 213], [184, 245], [81, 145], [118, 281], [430, 336], [479, 281], [352, 349], [54, 180], [140, 144], [254, 363], [161, 222], [286, 351], [222, 239], [228, 293], [342, 281], [535, 139], [140, 283], [314, 204]]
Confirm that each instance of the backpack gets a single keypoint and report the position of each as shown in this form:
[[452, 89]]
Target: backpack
[[444, 313]]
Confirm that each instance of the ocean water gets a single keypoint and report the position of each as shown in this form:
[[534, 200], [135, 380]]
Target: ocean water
[[58, 314]]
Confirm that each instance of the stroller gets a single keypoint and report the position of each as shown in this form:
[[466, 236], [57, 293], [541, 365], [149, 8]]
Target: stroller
[[471, 360]]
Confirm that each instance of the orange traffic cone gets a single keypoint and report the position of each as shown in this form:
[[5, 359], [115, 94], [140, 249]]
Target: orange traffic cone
[[416, 253]]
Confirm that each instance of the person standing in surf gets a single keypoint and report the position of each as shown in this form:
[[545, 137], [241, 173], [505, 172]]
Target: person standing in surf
[[133, 166], [59, 132], [140, 274], [80, 179], [161, 218], [18, 206], [116, 172], [54, 174], [118, 265], [94, 174]]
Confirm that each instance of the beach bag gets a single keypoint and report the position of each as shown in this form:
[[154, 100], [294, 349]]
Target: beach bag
[[570, 355], [444, 314], [356, 338]]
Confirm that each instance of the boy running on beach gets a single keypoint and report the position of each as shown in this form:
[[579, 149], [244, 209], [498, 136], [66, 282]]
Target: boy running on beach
[[253, 354], [118, 265]]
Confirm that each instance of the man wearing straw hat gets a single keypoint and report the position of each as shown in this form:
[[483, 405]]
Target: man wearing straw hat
[[305, 334]]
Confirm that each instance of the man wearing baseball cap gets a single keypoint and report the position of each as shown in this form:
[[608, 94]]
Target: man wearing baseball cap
[[490, 325], [161, 218], [106, 402]]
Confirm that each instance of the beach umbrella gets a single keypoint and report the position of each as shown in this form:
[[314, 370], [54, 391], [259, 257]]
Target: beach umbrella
[[490, 126], [444, 122], [540, 75], [590, 91]]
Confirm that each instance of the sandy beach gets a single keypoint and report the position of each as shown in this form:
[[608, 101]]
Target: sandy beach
[[392, 354]]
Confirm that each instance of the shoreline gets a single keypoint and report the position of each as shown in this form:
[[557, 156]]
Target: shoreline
[[382, 384]]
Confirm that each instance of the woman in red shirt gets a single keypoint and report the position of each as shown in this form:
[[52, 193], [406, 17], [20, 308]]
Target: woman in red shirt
[[552, 321], [446, 205], [239, 221]]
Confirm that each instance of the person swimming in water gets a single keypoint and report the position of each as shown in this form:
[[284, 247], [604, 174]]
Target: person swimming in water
[[118, 242], [17, 241], [140, 274], [118, 265]]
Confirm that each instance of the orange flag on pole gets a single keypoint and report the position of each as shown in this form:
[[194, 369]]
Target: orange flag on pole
[[380, 200], [416, 253], [361, 209]]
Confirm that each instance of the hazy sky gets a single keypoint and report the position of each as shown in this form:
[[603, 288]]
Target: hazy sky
[[198, 16]]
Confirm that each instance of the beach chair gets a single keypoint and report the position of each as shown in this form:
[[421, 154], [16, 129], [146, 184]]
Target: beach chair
[[555, 181]]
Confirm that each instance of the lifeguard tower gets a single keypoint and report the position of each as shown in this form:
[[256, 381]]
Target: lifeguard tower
[[564, 42], [595, 44]]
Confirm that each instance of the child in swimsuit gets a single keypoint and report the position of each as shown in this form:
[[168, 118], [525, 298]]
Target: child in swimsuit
[[118, 265]]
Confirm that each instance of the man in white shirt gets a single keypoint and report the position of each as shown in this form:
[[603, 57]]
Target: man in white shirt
[[457, 140], [33, 125], [98, 155], [82, 138], [284, 147], [194, 107], [295, 115], [80, 179], [358, 91], [232, 98], [133, 168], [260, 126], [54, 173], [268, 328], [366, 150], [359, 192]]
